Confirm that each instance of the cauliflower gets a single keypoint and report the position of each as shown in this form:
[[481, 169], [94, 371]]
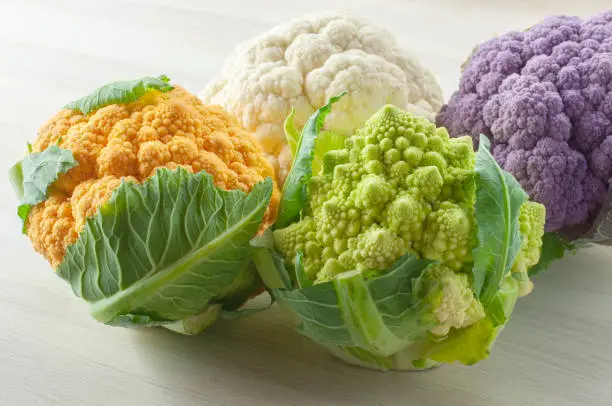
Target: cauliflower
[[406, 187], [544, 97], [301, 63], [399, 192], [137, 155]]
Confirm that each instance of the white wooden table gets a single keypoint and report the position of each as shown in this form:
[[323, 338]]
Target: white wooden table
[[557, 350]]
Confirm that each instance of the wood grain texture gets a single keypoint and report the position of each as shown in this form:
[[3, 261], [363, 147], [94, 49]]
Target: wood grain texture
[[556, 351]]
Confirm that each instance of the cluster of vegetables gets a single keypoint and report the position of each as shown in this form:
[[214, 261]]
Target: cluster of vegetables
[[323, 167]]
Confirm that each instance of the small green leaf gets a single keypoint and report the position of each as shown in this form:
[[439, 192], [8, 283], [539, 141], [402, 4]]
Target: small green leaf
[[326, 141], [167, 248], [467, 345], [498, 200], [501, 307], [361, 357], [135, 321], [295, 191], [32, 176], [302, 279], [292, 135], [190, 326], [554, 247], [122, 92]]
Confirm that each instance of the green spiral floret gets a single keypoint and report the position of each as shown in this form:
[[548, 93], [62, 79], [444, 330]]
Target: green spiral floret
[[531, 222], [400, 185], [454, 304]]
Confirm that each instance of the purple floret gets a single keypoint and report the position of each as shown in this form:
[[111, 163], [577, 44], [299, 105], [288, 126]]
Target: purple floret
[[557, 176], [544, 98]]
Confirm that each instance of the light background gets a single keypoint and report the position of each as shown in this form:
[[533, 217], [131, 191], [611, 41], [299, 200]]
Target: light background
[[556, 351]]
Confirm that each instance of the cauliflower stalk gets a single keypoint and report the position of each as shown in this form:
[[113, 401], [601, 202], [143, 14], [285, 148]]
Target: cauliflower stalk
[[405, 248], [144, 200], [302, 63], [544, 98]]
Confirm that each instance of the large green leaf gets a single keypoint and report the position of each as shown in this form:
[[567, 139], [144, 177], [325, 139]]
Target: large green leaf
[[166, 249], [295, 190], [32, 176], [122, 92], [382, 313], [498, 200]]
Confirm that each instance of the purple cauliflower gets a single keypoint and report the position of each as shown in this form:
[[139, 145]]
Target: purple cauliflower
[[544, 98]]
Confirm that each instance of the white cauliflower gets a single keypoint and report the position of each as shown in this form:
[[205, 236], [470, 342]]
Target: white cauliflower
[[304, 62]]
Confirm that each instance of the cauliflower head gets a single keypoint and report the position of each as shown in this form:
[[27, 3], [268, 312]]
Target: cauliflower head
[[544, 98], [401, 185], [128, 142], [302, 63]]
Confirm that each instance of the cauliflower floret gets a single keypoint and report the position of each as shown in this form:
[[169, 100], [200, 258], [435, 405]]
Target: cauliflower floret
[[129, 142], [302, 63], [543, 96]]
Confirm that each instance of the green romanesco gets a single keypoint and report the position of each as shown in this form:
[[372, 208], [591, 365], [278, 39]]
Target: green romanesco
[[400, 185]]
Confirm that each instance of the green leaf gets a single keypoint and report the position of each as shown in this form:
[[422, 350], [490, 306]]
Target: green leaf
[[136, 321], [326, 141], [501, 307], [32, 176], [122, 92], [295, 190], [303, 281], [189, 326], [498, 200], [381, 314], [399, 297], [292, 135], [166, 248], [466, 345], [554, 247], [319, 313]]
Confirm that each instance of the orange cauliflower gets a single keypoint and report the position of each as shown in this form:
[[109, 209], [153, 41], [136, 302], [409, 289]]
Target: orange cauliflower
[[129, 142]]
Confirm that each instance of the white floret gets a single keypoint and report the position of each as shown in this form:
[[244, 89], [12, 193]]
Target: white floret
[[302, 63]]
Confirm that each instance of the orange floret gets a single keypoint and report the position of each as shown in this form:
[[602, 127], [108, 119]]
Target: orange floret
[[130, 142]]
